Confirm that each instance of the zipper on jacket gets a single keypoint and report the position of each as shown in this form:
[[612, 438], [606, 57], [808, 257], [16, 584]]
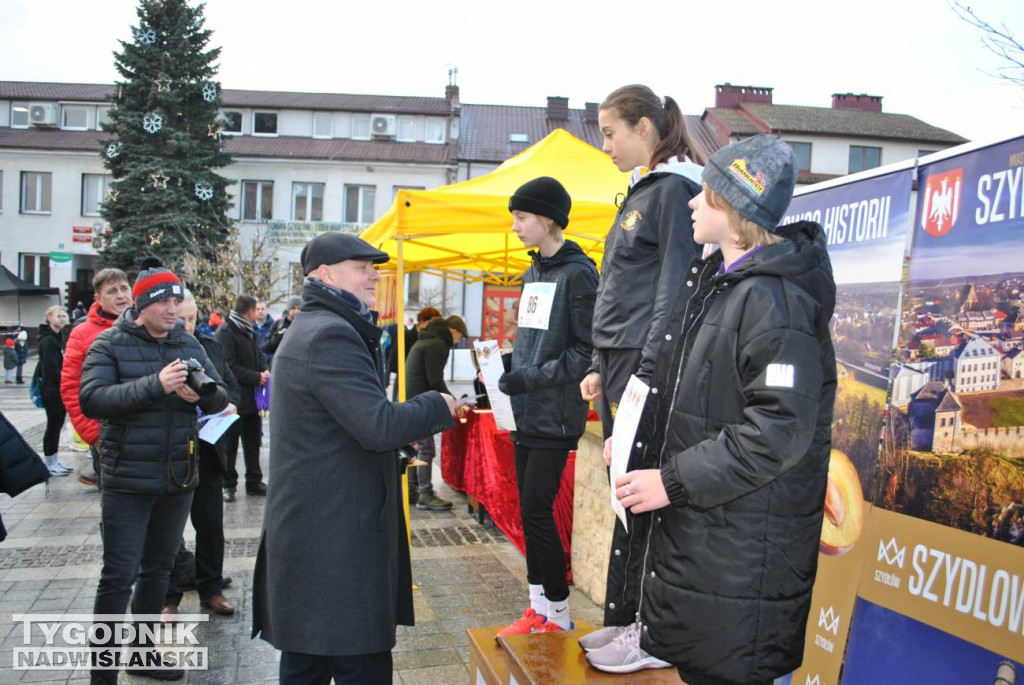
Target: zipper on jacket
[[671, 409]]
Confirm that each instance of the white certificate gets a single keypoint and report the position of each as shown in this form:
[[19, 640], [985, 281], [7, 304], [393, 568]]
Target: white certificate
[[212, 427], [627, 420], [488, 355], [535, 305]]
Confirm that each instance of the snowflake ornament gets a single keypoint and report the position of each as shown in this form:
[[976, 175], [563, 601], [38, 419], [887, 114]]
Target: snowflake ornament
[[147, 37], [210, 92], [204, 191], [152, 122], [113, 150]]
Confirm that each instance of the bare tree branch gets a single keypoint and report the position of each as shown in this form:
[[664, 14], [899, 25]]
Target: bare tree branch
[[999, 40]]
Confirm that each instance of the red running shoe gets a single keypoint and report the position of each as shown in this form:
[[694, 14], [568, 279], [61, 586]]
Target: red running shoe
[[529, 622], [551, 626]]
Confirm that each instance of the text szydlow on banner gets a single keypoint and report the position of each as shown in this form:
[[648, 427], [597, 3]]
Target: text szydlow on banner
[[866, 222], [941, 594]]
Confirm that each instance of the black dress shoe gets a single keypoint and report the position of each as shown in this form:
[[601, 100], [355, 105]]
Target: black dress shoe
[[225, 581], [258, 489], [229, 494]]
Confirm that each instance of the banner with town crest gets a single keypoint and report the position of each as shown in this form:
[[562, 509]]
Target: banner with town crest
[[941, 594], [866, 222]]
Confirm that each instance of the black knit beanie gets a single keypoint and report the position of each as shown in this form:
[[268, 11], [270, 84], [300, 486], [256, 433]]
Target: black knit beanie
[[544, 196]]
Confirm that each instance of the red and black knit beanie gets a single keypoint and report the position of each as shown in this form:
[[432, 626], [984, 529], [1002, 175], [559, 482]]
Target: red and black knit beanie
[[155, 283]]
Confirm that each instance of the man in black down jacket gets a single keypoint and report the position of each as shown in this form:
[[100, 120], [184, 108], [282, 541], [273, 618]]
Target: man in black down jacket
[[424, 371], [246, 360], [134, 382]]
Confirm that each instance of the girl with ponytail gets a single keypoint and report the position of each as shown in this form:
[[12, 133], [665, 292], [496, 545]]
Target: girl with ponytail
[[647, 255]]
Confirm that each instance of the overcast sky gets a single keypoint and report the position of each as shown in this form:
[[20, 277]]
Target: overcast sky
[[918, 55]]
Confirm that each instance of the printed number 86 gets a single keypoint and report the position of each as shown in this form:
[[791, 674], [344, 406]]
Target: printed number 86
[[531, 304]]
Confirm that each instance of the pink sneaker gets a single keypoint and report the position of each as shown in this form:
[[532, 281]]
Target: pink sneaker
[[529, 622]]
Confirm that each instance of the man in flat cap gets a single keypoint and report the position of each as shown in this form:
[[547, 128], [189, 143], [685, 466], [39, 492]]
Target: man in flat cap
[[333, 576]]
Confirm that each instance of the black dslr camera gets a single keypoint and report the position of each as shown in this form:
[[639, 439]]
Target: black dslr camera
[[203, 385]]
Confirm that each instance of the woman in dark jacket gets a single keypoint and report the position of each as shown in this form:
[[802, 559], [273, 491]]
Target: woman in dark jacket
[[550, 357], [51, 361]]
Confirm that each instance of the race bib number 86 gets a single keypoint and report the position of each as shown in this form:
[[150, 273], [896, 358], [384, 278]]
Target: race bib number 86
[[535, 305]]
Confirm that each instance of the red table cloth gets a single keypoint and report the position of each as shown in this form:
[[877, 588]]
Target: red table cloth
[[479, 459]]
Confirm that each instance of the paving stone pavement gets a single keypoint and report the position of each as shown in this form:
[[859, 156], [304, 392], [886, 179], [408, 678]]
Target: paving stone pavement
[[466, 575]]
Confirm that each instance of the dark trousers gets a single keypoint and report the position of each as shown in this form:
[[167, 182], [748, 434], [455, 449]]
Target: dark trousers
[[249, 428], [141, 534], [615, 367], [422, 476], [208, 520], [55, 415], [310, 669], [18, 377], [539, 474]]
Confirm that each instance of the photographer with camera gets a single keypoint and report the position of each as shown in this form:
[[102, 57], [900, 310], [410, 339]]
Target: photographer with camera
[[135, 383]]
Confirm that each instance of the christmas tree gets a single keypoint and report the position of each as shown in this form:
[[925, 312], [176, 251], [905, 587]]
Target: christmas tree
[[166, 200]]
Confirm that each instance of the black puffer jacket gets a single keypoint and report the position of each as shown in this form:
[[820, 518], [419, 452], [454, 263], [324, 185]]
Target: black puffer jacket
[[51, 361], [148, 438], [244, 356], [548, 365], [646, 254], [741, 430], [424, 366]]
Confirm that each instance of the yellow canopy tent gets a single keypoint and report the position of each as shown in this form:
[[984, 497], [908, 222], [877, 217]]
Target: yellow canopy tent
[[462, 231]]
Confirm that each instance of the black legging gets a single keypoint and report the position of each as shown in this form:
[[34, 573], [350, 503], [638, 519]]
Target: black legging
[[55, 415], [539, 475]]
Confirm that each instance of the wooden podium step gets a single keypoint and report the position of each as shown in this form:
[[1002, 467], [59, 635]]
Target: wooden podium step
[[545, 659]]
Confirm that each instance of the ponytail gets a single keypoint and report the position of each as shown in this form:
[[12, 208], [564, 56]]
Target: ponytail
[[635, 102]]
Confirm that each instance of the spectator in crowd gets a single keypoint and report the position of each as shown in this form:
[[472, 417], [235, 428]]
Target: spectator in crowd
[[10, 361], [263, 323], [112, 296], [424, 371], [135, 384], [242, 352], [292, 305], [20, 346], [79, 311], [423, 317], [52, 341], [207, 503], [215, 320], [333, 577], [203, 326]]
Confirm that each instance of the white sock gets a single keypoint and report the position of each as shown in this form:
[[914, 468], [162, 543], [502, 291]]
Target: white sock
[[559, 613], [538, 602]]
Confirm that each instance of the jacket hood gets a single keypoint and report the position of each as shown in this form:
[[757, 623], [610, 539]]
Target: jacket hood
[[437, 329], [801, 258], [44, 330], [685, 168], [127, 322], [569, 253]]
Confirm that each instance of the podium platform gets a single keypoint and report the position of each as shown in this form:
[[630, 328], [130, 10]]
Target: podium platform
[[545, 659]]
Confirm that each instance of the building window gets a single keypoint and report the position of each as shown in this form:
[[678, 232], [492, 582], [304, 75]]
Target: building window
[[35, 192], [360, 127], [35, 268], [257, 200], [264, 123], [231, 122], [1, 191], [94, 191], [942, 422], [359, 204], [803, 155], [307, 201], [924, 153], [862, 158], [395, 189], [435, 130], [321, 124], [406, 129], [102, 117], [74, 117], [19, 115]]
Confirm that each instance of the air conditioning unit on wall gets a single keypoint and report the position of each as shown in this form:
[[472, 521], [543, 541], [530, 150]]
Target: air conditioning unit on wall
[[43, 113], [383, 125]]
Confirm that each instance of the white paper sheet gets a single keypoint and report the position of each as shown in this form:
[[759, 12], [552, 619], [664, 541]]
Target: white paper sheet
[[535, 305], [211, 428], [488, 355], [627, 420]]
